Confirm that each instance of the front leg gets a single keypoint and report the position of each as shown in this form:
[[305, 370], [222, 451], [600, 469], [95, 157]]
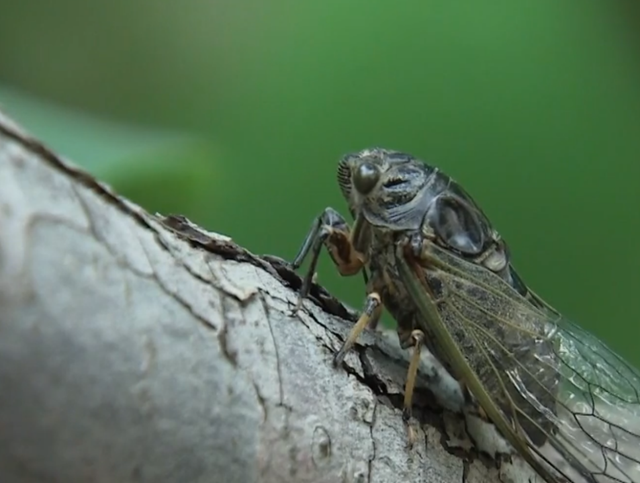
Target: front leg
[[331, 230]]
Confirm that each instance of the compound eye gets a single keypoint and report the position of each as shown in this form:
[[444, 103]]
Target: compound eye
[[457, 226], [366, 178]]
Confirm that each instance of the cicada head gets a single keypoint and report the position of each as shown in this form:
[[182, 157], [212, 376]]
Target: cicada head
[[387, 187]]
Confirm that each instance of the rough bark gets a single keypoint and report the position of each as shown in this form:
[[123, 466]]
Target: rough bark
[[137, 348]]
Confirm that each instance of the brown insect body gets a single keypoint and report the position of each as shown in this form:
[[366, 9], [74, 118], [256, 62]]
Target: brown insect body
[[414, 197]]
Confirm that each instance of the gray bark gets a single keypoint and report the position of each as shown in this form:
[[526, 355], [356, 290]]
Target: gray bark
[[137, 348]]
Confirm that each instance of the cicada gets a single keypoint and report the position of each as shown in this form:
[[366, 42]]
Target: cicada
[[564, 401]]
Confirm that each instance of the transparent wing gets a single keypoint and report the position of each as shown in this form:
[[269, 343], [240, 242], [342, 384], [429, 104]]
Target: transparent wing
[[598, 405], [575, 401]]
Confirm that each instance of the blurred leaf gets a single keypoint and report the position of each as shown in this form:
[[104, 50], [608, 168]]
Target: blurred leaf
[[164, 171], [181, 179]]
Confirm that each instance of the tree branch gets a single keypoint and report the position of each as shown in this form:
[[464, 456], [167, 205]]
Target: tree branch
[[137, 348]]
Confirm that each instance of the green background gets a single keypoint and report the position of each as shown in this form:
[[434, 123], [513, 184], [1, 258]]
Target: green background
[[235, 114]]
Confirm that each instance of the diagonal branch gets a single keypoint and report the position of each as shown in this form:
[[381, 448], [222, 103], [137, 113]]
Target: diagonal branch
[[137, 348]]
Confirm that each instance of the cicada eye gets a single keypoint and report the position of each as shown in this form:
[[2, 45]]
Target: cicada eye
[[457, 226], [366, 177]]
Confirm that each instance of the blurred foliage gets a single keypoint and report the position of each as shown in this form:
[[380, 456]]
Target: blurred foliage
[[533, 106], [141, 162]]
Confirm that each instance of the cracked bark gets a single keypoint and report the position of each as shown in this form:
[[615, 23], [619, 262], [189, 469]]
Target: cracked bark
[[141, 348]]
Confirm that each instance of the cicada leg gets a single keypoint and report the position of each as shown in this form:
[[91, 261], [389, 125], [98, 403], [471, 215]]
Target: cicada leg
[[371, 313], [332, 231], [416, 339]]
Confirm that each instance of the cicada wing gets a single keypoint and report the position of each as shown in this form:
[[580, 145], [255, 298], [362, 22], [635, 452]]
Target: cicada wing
[[457, 352], [575, 402], [598, 406]]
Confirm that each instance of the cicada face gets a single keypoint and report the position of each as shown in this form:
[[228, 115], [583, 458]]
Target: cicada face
[[389, 188]]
